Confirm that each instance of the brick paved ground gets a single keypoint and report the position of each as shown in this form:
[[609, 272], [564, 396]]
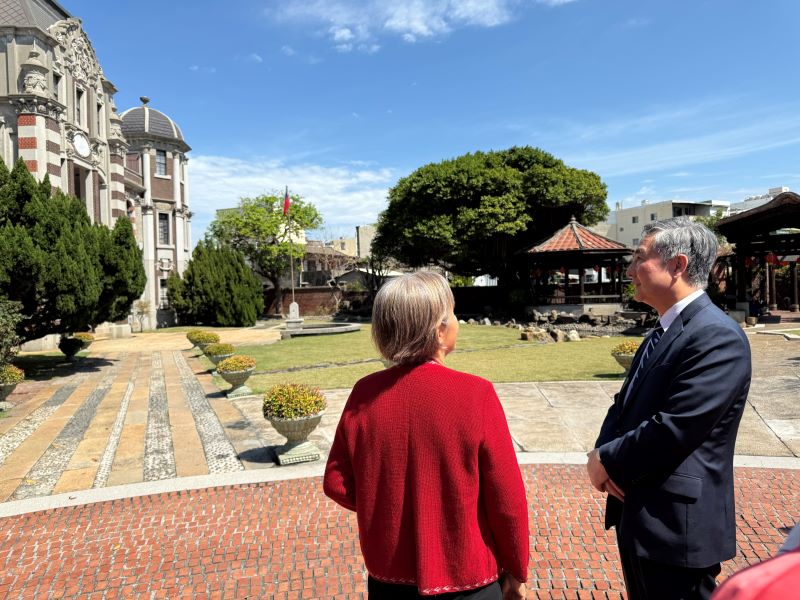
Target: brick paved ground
[[286, 540]]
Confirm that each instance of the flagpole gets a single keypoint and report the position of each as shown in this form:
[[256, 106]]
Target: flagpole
[[291, 241]]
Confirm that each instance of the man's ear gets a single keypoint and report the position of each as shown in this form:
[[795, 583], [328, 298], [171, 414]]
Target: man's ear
[[680, 265]]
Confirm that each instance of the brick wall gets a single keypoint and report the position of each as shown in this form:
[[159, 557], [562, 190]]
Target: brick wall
[[312, 300]]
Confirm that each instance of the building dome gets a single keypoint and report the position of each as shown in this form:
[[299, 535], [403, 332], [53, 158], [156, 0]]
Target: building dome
[[149, 123]]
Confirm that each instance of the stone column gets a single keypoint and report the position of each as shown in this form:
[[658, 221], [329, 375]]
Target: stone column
[[795, 307], [148, 250]]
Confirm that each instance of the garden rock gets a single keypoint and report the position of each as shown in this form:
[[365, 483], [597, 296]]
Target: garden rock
[[558, 335], [572, 336], [486, 321]]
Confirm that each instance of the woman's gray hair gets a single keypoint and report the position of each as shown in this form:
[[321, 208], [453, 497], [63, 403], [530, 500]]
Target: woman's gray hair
[[681, 235], [406, 316]]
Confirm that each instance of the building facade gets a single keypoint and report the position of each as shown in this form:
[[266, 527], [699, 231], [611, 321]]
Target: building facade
[[57, 113], [625, 224]]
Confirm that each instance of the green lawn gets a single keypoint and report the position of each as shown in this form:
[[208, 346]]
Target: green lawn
[[481, 350], [794, 332]]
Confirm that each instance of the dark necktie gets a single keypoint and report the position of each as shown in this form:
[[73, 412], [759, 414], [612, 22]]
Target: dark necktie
[[649, 345]]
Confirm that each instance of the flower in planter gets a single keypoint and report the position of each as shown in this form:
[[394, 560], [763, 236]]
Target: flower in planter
[[199, 338], [9, 374], [236, 363], [218, 350], [86, 338], [626, 347], [293, 401]]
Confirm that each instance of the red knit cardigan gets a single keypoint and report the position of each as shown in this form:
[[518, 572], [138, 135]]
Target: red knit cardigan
[[424, 456]]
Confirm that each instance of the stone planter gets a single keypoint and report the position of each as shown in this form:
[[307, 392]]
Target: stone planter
[[624, 360], [296, 431], [751, 321], [237, 379], [217, 359], [5, 390]]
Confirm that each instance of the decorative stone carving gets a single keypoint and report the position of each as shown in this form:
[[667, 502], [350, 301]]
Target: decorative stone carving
[[163, 206], [35, 105], [34, 75], [78, 54]]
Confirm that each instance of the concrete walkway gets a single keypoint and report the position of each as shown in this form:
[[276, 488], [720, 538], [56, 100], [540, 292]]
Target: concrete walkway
[[143, 418]]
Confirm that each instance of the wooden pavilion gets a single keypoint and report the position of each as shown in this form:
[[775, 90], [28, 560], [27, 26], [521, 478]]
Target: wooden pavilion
[[576, 247], [767, 237]]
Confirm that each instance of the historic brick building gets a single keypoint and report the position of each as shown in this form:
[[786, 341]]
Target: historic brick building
[[57, 113]]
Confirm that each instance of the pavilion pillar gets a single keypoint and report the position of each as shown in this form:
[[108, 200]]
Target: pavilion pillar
[[763, 286], [741, 275], [794, 307], [771, 293], [581, 271]]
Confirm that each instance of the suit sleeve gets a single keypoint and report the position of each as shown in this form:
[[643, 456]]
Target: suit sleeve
[[503, 491], [713, 373], [339, 481]]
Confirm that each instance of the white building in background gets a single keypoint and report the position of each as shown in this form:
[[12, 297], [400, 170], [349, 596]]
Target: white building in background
[[625, 224], [57, 114]]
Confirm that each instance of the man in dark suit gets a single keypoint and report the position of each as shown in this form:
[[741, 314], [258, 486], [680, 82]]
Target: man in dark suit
[[665, 450]]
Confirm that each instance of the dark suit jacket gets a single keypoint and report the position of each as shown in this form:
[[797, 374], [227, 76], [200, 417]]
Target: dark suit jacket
[[670, 445]]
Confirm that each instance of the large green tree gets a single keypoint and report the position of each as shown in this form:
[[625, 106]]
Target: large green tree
[[217, 288], [473, 214], [259, 230], [66, 273]]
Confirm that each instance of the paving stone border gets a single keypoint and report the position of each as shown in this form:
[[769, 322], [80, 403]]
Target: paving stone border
[[159, 457], [220, 453]]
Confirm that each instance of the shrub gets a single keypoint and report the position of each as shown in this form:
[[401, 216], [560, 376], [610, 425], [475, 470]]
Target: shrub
[[11, 374], [626, 347], [205, 337], [292, 401], [9, 319], [192, 335], [70, 346], [217, 288], [218, 349], [237, 362], [84, 337]]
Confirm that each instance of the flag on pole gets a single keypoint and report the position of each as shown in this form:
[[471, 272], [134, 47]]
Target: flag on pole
[[286, 202]]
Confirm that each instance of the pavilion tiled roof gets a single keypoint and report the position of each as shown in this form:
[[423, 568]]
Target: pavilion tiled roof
[[574, 238]]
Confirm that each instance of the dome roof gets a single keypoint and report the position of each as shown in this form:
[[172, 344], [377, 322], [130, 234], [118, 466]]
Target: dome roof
[[146, 122]]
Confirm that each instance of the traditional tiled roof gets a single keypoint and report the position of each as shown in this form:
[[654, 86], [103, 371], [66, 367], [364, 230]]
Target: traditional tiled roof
[[575, 237], [25, 13]]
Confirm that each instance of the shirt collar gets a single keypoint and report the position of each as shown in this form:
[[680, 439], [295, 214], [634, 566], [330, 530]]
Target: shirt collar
[[672, 313]]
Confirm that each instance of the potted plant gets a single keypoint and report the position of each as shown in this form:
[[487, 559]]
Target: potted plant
[[70, 346], [192, 336], [201, 339], [10, 376], [85, 338], [235, 370], [295, 410], [624, 352], [218, 352]]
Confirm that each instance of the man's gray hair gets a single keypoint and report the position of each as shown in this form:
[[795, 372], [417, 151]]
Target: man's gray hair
[[681, 235]]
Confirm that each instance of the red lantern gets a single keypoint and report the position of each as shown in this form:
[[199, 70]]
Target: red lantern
[[771, 260], [748, 262]]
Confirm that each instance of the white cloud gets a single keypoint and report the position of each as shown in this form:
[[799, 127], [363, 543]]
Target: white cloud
[[356, 24], [636, 22], [288, 51], [254, 58], [201, 69], [346, 196]]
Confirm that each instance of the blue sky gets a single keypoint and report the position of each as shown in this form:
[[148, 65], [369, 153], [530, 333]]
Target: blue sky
[[337, 99]]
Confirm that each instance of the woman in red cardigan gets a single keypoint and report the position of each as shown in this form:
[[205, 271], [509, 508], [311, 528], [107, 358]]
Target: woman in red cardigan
[[424, 457]]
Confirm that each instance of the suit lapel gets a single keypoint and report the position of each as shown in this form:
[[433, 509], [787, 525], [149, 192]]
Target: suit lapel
[[670, 335]]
